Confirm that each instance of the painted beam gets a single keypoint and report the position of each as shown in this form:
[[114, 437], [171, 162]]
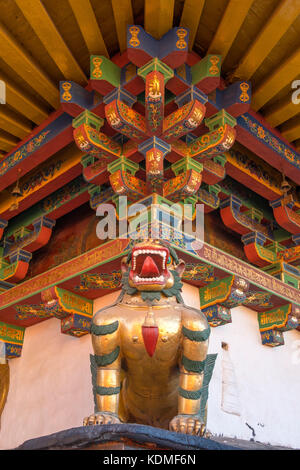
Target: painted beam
[[39, 183], [257, 135], [55, 131], [123, 17], [277, 25], [55, 205], [158, 17], [44, 27], [229, 27], [190, 18], [88, 25], [17, 58]]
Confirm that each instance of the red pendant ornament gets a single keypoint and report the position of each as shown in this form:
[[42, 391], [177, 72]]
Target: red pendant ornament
[[150, 332], [150, 336]]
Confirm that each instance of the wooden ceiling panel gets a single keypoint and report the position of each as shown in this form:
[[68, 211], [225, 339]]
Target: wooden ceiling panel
[[158, 17], [44, 41], [105, 18], [291, 129], [211, 16], [277, 25], [7, 141], [281, 77], [284, 47], [252, 26], [229, 27], [87, 22], [17, 57], [123, 16], [44, 27], [63, 17], [15, 125], [282, 108], [13, 20], [22, 102], [190, 18]]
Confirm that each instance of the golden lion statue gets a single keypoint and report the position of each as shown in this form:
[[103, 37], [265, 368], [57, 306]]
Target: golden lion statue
[[150, 348]]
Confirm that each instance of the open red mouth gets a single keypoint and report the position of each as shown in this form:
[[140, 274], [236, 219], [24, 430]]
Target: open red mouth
[[149, 265]]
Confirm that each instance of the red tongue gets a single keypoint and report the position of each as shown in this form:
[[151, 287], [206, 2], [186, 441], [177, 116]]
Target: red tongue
[[150, 335], [149, 268]]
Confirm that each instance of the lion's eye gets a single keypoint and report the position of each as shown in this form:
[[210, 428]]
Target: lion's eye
[[169, 261]]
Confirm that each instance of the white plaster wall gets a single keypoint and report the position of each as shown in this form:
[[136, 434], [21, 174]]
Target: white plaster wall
[[50, 385], [267, 383]]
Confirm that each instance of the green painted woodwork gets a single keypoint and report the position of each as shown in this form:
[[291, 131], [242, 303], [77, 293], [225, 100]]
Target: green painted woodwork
[[209, 66], [101, 68], [185, 164], [89, 118], [156, 64], [11, 333], [220, 119], [123, 164]]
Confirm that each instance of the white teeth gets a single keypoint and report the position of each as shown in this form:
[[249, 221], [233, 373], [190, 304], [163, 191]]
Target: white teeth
[[150, 252], [148, 279]]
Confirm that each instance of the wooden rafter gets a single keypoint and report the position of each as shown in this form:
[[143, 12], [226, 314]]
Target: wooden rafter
[[40, 21], [7, 142], [280, 21], [17, 126], [23, 103], [158, 17], [123, 16], [285, 73], [18, 59], [282, 111], [230, 24], [89, 27], [190, 18], [291, 130]]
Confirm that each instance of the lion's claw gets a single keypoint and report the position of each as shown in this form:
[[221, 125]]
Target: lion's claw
[[101, 418], [188, 424]]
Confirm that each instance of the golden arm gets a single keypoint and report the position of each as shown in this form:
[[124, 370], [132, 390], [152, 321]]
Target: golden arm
[[105, 340], [195, 333]]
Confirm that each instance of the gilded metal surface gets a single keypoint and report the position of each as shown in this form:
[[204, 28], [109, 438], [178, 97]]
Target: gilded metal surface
[[4, 385], [152, 386]]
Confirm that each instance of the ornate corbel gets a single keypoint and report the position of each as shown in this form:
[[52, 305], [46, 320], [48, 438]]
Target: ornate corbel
[[260, 250], [122, 118], [123, 181], [31, 237], [74, 311], [218, 297], [285, 213], [273, 323], [242, 222], [219, 140], [89, 139], [11, 339], [187, 180], [156, 74]]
